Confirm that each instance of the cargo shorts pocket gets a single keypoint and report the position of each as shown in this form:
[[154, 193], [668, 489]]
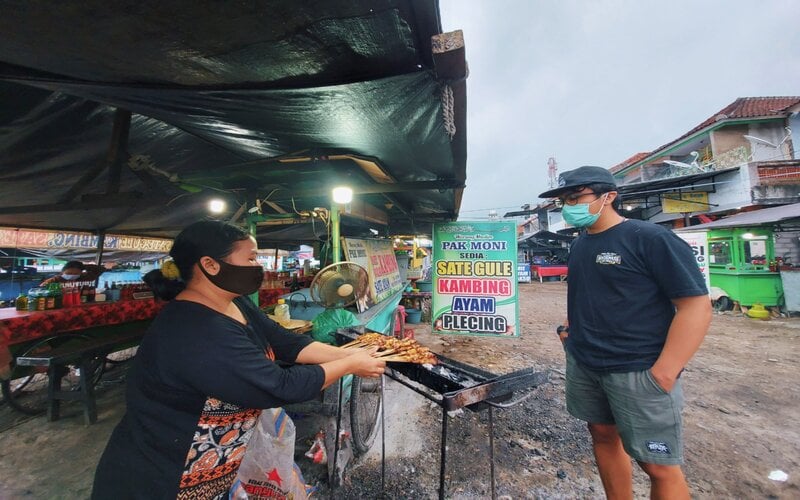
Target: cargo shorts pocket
[[652, 381]]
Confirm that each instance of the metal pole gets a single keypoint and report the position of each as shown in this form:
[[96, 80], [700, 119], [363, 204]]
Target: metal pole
[[383, 436], [443, 454], [117, 152], [252, 227], [491, 454], [335, 478], [101, 238], [335, 232]]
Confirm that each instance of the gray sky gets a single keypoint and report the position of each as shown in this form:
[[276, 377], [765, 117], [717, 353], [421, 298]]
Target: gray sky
[[593, 82]]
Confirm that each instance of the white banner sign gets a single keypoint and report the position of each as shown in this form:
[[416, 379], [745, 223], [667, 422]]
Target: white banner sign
[[698, 240]]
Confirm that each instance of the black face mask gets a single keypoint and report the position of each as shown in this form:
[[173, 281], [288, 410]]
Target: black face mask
[[241, 280]]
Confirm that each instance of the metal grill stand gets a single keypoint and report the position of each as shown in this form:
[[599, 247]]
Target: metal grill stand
[[453, 385]]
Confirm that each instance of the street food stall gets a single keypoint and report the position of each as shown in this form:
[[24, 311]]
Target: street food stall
[[234, 115], [743, 264], [748, 254]]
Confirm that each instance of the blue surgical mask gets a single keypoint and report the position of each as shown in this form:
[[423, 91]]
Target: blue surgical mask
[[70, 277], [579, 215]]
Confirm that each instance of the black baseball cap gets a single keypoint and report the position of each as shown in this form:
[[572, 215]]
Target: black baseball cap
[[581, 176]]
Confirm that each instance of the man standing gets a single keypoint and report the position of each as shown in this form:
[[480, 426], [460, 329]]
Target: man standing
[[75, 270], [637, 309]]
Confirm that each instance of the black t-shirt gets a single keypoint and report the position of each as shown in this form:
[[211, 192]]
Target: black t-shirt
[[195, 390], [620, 285]]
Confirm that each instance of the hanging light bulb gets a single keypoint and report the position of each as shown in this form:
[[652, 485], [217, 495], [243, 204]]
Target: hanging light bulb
[[216, 206], [342, 195]]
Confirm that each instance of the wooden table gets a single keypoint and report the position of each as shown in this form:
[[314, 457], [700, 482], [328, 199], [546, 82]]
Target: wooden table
[[19, 327]]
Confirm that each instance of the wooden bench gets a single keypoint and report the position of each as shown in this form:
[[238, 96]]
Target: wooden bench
[[81, 355]]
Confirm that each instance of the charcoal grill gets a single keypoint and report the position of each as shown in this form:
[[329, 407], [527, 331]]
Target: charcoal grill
[[453, 385]]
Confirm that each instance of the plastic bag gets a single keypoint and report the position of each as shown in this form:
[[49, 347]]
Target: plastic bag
[[327, 322], [317, 452], [268, 469]]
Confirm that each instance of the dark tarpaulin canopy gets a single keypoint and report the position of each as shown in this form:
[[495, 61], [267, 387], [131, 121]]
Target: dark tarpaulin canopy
[[129, 118]]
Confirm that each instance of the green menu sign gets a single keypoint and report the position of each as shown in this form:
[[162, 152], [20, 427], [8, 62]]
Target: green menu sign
[[475, 279]]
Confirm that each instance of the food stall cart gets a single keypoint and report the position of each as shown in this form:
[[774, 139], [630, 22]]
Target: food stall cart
[[743, 264], [138, 135], [743, 258]]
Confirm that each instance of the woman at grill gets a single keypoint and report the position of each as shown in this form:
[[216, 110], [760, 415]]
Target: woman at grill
[[204, 371]]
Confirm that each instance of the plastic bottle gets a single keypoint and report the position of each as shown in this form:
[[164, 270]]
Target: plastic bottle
[[69, 295], [49, 298], [58, 295], [22, 302], [33, 295], [282, 314]]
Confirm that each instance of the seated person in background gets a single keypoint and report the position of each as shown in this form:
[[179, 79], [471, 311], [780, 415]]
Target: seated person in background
[[75, 271]]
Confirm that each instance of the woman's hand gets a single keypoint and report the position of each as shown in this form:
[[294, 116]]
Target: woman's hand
[[359, 362], [362, 364]]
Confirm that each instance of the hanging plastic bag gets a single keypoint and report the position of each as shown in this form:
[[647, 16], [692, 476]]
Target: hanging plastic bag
[[327, 322], [268, 469]]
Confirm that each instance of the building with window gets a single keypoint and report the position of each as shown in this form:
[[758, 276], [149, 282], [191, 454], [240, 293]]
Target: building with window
[[742, 158]]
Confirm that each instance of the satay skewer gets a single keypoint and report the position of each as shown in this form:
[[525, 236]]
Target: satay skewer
[[355, 343], [403, 359], [396, 359]]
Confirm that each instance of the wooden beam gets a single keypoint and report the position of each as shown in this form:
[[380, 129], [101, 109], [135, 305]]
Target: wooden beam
[[239, 212], [359, 209], [400, 187], [88, 176], [118, 151], [276, 207], [448, 56], [282, 222], [450, 63], [88, 202]]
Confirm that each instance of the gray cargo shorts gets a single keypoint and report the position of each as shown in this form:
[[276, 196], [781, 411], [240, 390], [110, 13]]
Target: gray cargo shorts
[[647, 417]]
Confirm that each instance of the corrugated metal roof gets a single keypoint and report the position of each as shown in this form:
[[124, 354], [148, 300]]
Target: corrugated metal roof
[[755, 218], [670, 184]]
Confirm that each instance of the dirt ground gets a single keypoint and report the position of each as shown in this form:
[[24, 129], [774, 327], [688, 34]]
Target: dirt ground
[[741, 414]]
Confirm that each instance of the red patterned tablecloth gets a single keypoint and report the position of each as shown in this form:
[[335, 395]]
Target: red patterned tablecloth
[[17, 327]]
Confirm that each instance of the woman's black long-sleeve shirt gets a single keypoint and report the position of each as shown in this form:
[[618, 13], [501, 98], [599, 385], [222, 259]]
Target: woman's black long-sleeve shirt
[[195, 391]]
